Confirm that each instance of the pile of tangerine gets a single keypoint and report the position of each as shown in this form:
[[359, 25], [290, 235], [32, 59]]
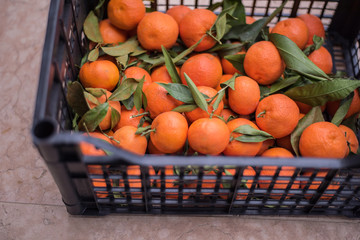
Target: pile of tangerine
[[207, 132]]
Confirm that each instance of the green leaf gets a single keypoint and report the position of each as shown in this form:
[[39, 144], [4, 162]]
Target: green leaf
[[313, 116], [238, 12], [74, 122], [264, 91], [218, 99], [91, 28], [123, 60], [248, 33], [93, 117], [115, 117], [250, 138], [221, 25], [283, 83], [185, 108], [138, 51], [320, 93], [138, 95], [100, 9], [125, 90], [153, 60], [214, 6], [93, 55], [123, 48], [178, 91], [251, 134], [237, 61], [198, 97], [84, 59], [170, 66], [295, 59], [129, 103], [100, 4], [90, 98], [318, 42], [226, 49], [230, 83], [187, 51], [96, 92], [246, 129], [76, 99], [342, 110]]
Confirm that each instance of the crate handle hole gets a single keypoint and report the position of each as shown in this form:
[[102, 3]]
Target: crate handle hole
[[44, 129]]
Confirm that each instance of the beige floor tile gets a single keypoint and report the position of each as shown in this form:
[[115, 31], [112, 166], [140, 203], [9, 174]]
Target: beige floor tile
[[30, 203], [24, 177], [29, 221]]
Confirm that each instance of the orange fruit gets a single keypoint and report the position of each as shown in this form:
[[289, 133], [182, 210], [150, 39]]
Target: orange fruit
[[130, 141], [249, 20], [153, 150], [111, 34], [277, 114], [323, 139], [277, 152], [245, 98], [178, 12], [198, 112], [332, 107], [208, 136], [157, 29], [99, 74], [227, 113], [100, 183], [171, 181], [228, 68], [161, 74], [159, 100], [105, 124], [257, 63], [322, 58], [194, 26], [89, 149], [305, 108], [126, 118], [126, 14], [248, 172], [170, 132], [266, 145], [223, 79], [295, 29], [351, 139], [237, 148], [138, 73], [285, 142], [314, 25], [316, 184], [203, 69], [284, 172]]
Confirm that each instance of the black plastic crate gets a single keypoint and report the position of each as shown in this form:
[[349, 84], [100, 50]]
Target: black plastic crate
[[125, 183]]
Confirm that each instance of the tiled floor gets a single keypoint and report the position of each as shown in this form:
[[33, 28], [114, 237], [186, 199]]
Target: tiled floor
[[30, 204]]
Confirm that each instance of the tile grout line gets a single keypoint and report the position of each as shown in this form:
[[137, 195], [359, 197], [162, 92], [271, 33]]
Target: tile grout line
[[35, 204]]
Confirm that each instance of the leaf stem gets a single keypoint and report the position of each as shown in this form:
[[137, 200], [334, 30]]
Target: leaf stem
[[140, 114], [148, 132], [261, 114], [213, 37]]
